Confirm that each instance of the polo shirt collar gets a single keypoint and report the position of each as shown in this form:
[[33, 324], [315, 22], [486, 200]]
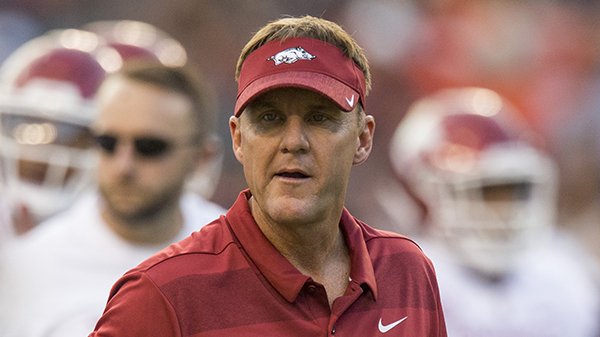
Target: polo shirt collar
[[280, 273]]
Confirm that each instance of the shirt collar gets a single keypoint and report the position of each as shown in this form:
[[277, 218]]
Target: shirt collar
[[279, 272]]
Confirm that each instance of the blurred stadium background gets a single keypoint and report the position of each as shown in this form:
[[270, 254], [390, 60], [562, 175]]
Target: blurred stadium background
[[542, 55]]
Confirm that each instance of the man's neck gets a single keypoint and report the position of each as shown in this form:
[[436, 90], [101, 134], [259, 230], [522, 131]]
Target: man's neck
[[327, 263], [160, 228], [316, 250]]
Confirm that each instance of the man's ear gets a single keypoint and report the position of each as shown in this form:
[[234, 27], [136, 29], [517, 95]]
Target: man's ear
[[365, 140], [236, 137]]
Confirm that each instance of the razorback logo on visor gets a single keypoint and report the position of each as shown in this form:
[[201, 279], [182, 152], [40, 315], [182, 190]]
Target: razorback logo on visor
[[291, 55], [305, 63]]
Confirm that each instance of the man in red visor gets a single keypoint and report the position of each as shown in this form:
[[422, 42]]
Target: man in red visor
[[288, 259]]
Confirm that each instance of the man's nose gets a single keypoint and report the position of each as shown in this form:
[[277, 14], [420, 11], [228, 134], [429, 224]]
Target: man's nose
[[295, 136], [124, 157]]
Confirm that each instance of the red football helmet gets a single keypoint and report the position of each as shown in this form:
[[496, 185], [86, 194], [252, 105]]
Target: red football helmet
[[135, 40], [46, 91], [487, 188]]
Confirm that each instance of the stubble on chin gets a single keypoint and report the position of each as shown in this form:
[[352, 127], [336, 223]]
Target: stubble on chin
[[136, 211], [293, 211]]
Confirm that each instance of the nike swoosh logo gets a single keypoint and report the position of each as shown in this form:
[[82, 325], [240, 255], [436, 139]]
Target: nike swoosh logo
[[350, 101], [385, 328]]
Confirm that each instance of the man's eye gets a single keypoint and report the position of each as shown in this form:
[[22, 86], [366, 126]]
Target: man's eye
[[269, 117], [319, 117]]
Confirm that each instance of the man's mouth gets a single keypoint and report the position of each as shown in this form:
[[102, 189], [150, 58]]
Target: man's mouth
[[292, 174]]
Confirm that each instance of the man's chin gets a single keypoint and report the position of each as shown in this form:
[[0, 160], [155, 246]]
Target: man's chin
[[292, 210], [125, 209]]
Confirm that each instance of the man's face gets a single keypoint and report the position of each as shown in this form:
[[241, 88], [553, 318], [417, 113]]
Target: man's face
[[297, 148], [146, 147]]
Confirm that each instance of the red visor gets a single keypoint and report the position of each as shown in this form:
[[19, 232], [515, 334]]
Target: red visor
[[303, 63]]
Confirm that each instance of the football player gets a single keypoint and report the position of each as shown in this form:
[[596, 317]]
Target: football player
[[487, 192], [47, 87]]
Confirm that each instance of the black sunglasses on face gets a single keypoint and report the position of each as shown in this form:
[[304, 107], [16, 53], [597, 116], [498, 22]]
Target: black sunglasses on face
[[146, 147]]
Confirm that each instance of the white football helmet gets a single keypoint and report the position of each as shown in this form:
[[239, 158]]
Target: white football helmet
[[46, 91], [487, 188]]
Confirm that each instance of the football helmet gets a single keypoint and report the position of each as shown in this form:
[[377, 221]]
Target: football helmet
[[136, 40], [46, 91], [488, 189]]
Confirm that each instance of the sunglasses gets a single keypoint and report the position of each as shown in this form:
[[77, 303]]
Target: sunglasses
[[146, 147]]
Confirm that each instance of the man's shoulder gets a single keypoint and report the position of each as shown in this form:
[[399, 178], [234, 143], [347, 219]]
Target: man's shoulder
[[392, 240], [82, 210], [393, 249], [206, 249], [59, 229]]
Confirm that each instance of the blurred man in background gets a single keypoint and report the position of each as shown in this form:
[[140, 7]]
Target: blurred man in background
[[153, 130], [135, 41], [488, 195]]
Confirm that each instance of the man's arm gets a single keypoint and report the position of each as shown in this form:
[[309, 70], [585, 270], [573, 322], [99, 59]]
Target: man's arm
[[137, 308], [441, 322]]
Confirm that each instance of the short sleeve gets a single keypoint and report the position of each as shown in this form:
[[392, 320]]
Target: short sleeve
[[137, 308]]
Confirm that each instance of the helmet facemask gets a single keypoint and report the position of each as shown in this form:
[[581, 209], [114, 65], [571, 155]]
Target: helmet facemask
[[491, 215], [47, 90], [45, 163]]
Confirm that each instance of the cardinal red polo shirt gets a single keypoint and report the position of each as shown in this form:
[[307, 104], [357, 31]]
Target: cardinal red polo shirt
[[227, 280]]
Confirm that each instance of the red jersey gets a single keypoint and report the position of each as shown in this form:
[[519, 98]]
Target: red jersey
[[228, 280]]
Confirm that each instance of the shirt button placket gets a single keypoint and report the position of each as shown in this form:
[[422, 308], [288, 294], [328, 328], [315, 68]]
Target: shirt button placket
[[333, 331]]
